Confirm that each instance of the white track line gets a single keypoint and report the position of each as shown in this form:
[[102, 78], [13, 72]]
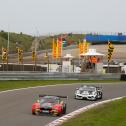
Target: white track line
[[65, 118], [18, 89]]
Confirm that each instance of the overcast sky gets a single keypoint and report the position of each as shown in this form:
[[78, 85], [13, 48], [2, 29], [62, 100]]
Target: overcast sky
[[53, 16]]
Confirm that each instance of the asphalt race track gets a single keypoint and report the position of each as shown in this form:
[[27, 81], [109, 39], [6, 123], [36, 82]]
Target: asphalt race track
[[15, 106]]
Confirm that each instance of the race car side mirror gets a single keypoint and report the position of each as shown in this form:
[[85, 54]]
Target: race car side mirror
[[38, 101], [61, 102]]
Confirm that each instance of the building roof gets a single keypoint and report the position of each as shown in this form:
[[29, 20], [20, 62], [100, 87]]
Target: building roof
[[68, 56], [92, 52]]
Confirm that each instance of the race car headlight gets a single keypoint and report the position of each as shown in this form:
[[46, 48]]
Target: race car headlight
[[55, 110], [95, 93], [77, 92]]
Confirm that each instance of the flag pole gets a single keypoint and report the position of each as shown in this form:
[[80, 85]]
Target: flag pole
[[2, 58], [8, 44], [35, 57], [108, 59]]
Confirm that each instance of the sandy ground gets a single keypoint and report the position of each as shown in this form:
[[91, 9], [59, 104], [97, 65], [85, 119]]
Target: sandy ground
[[119, 50]]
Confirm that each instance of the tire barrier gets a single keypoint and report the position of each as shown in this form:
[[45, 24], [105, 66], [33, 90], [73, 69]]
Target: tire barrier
[[123, 77]]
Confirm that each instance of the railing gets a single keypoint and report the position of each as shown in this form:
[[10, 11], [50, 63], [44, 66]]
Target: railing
[[12, 75]]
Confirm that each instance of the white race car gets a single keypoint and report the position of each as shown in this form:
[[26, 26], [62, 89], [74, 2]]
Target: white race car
[[88, 92]]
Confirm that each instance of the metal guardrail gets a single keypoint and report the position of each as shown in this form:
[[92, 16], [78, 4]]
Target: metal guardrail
[[56, 76]]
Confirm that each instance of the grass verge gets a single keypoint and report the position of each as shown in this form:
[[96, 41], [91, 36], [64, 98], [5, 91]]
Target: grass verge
[[7, 85], [109, 114]]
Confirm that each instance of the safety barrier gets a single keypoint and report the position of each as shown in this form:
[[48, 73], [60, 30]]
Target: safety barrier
[[123, 77], [26, 75]]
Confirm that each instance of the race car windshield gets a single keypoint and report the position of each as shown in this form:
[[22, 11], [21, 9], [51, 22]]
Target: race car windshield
[[88, 89], [49, 99]]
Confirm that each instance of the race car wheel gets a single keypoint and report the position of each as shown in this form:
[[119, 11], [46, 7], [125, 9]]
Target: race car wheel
[[101, 96], [64, 109], [33, 113]]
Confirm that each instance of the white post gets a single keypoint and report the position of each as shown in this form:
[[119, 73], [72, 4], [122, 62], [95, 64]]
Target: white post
[[8, 44]]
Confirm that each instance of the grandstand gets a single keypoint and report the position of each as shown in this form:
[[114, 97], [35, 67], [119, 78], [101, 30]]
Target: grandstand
[[116, 39]]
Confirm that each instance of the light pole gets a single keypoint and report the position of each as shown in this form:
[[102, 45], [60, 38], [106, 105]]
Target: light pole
[[73, 65], [47, 58], [8, 44]]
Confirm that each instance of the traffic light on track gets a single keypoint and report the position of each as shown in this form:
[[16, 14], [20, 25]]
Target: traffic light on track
[[110, 51], [20, 56], [4, 55]]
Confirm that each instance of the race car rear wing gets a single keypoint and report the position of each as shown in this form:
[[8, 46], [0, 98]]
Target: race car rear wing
[[42, 95], [99, 87]]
